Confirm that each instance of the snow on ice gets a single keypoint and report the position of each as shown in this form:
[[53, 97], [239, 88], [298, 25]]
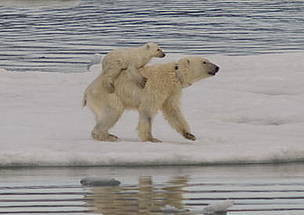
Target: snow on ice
[[251, 112]]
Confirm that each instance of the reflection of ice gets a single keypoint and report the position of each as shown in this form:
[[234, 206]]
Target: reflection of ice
[[218, 208], [39, 3], [170, 210]]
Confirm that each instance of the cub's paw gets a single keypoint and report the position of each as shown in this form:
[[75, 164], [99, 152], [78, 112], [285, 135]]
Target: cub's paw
[[109, 87], [143, 82]]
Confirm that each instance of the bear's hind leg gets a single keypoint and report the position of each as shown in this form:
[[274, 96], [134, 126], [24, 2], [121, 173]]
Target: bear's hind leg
[[106, 121]]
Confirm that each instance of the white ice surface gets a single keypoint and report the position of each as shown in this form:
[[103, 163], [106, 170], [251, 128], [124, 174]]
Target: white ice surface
[[251, 112]]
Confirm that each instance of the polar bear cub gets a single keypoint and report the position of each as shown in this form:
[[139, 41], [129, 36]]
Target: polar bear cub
[[130, 59], [162, 92]]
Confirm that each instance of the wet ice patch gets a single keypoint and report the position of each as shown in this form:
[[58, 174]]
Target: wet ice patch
[[265, 119], [269, 111], [276, 86]]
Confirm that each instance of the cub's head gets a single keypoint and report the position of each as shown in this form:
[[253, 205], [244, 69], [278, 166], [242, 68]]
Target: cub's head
[[155, 50], [194, 68]]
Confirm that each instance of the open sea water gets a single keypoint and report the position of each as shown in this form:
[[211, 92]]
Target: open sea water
[[62, 35], [253, 189]]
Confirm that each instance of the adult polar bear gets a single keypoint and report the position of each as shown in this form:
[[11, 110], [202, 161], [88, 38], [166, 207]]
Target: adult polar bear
[[162, 92]]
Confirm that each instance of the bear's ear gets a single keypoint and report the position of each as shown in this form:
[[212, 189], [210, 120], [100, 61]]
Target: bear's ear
[[147, 46], [185, 61], [180, 75]]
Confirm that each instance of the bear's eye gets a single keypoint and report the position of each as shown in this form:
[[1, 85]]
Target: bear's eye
[[204, 62], [158, 49]]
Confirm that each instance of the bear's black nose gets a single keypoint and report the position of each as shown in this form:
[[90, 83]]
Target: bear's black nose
[[217, 68]]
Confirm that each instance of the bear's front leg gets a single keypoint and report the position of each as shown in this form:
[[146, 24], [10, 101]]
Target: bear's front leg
[[189, 136], [145, 127], [175, 117]]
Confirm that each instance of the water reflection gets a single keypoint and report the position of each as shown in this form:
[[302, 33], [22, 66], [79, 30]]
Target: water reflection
[[145, 198]]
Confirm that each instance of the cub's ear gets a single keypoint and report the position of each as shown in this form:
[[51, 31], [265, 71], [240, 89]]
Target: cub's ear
[[147, 46]]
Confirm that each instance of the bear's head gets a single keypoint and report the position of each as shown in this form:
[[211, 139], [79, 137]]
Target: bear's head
[[194, 68], [155, 50]]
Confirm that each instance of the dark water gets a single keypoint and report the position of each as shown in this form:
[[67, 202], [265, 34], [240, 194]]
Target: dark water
[[254, 189], [62, 35]]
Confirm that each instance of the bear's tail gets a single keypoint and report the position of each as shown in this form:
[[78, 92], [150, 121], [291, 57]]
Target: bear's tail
[[84, 100]]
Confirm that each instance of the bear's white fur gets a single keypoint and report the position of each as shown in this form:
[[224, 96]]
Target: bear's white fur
[[132, 59], [162, 92]]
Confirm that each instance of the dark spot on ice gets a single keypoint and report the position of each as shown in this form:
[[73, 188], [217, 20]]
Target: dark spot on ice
[[274, 93], [265, 122]]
